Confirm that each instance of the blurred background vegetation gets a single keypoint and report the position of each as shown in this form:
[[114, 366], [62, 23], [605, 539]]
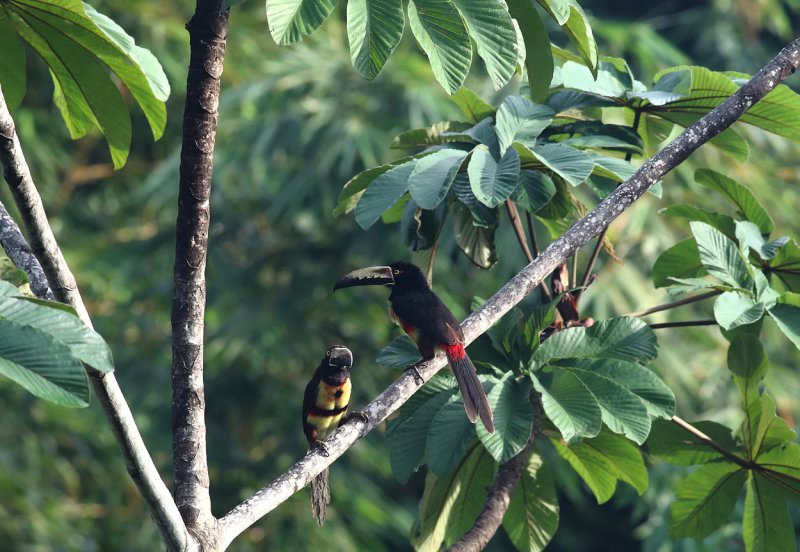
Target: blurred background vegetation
[[295, 123]]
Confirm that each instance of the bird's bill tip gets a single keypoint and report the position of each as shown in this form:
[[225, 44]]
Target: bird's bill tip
[[340, 356], [370, 276]]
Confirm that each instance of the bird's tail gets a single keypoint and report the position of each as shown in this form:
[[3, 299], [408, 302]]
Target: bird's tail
[[475, 402], [320, 496]]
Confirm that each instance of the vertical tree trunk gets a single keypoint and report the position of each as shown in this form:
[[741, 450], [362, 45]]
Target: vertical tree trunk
[[208, 33]]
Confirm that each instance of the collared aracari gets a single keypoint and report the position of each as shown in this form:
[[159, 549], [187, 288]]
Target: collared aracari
[[324, 407], [429, 323]]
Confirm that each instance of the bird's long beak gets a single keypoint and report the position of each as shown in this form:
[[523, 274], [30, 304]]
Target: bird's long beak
[[340, 356], [370, 276]]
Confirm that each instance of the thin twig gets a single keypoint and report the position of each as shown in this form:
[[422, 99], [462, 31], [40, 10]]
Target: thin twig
[[673, 304], [544, 290], [711, 443], [683, 324], [574, 281], [139, 463], [513, 216], [516, 289], [602, 235], [208, 31]]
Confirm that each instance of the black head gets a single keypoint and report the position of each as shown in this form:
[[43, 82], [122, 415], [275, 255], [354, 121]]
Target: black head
[[408, 276], [336, 364]]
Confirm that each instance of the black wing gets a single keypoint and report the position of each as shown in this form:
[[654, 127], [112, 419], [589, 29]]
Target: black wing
[[425, 311]]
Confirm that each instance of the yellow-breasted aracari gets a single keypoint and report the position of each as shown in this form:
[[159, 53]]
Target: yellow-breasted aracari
[[429, 323], [324, 407]]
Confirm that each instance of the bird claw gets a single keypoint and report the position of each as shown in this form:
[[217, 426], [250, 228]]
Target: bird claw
[[356, 415], [418, 379], [323, 450]]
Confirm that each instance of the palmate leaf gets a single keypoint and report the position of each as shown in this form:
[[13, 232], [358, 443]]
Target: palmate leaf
[[290, 20], [493, 182], [532, 516], [12, 64], [42, 364], [743, 198], [720, 256], [682, 260], [475, 241], [77, 43], [374, 29], [432, 177], [677, 446], [705, 499], [538, 56], [490, 26], [442, 35], [520, 120], [623, 338], [604, 460], [450, 504], [569, 404], [513, 418], [766, 526]]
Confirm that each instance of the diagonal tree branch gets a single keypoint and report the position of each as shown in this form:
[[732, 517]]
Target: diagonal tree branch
[[208, 30], [720, 118], [139, 463]]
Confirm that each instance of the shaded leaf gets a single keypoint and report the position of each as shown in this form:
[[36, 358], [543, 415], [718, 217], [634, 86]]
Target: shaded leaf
[[520, 120], [513, 418], [400, 353], [538, 58], [382, 193], [374, 29], [677, 446], [766, 525], [569, 405], [743, 198], [682, 260], [532, 516], [493, 182], [476, 242], [472, 105], [432, 177]]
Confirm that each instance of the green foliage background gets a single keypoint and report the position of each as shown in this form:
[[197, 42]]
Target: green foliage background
[[295, 123]]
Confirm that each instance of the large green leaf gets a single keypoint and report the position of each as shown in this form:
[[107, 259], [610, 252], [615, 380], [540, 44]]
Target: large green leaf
[[382, 193], [490, 26], [762, 428], [743, 198], [41, 364], [723, 223], [432, 177], [535, 191], [641, 381], [786, 315], [677, 446], [571, 164], [538, 56], [354, 188], [682, 260], [471, 105], [572, 19], [532, 516], [520, 120], [445, 132], [82, 341], [746, 359], [766, 526], [622, 338], [705, 500], [778, 112], [86, 96], [442, 35], [784, 267], [475, 477], [73, 39], [400, 353], [720, 256], [733, 309], [783, 466], [476, 242], [493, 182], [12, 63], [604, 460], [449, 436], [622, 411], [374, 29], [290, 20], [569, 404], [513, 418], [609, 81], [749, 236], [407, 442]]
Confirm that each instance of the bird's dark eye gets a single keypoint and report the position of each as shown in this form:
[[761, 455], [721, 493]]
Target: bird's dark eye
[[327, 353], [397, 271]]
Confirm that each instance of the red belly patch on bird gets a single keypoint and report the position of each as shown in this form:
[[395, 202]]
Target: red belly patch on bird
[[454, 351]]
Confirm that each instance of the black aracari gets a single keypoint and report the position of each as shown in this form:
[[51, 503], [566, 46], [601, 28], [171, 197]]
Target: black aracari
[[430, 324], [324, 407]]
